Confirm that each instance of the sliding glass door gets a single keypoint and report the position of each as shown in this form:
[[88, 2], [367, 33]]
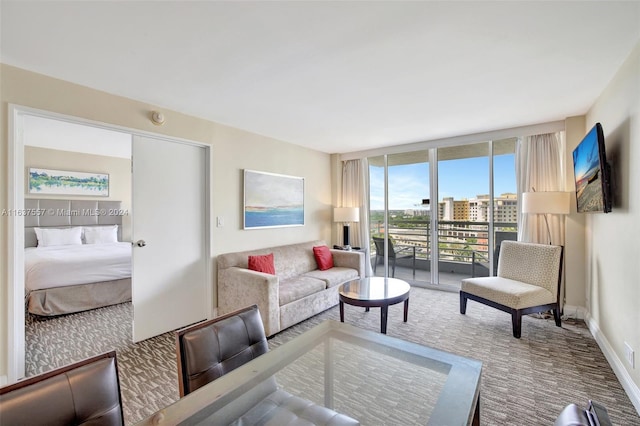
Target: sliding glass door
[[443, 212], [505, 205], [463, 212], [403, 194], [477, 207]]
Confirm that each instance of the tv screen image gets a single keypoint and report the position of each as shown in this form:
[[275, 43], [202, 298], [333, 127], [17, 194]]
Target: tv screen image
[[592, 173]]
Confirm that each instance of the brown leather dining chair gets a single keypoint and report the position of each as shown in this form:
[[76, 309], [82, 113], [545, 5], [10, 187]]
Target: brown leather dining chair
[[210, 349], [85, 392]]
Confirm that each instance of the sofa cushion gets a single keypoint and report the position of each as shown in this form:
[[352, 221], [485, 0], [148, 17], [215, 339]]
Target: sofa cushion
[[282, 408], [262, 263], [511, 293], [324, 258], [298, 287], [334, 276]]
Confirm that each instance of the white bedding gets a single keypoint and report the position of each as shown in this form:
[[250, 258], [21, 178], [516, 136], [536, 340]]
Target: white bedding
[[58, 266]]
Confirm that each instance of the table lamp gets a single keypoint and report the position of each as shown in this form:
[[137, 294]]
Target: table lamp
[[346, 215]]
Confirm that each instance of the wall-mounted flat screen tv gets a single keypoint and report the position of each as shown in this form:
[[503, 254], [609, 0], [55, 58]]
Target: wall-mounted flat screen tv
[[592, 173]]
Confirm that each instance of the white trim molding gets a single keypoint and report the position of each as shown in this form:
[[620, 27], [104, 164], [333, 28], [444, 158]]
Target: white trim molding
[[15, 246], [632, 390]]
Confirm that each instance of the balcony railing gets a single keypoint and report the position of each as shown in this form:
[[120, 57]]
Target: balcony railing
[[465, 243]]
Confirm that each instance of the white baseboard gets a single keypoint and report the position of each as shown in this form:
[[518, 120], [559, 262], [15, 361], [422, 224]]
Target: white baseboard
[[3, 380], [632, 390], [576, 312]]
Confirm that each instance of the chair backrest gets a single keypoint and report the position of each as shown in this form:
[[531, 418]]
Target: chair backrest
[[379, 242], [212, 348], [86, 392], [537, 264]]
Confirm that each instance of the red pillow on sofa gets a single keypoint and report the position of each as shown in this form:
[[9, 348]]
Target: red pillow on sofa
[[323, 256], [262, 263]]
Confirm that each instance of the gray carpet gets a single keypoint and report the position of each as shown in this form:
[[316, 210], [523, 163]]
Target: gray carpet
[[524, 381]]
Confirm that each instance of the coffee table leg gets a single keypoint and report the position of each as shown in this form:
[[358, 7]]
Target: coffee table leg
[[383, 319], [341, 311], [366, 309], [406, 310]]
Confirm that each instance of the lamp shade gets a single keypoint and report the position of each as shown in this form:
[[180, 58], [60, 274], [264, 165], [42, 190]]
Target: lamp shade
[[550, 202], [346, 214]]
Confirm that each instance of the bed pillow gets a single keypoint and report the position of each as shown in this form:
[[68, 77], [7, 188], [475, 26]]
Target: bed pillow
[[323, 256], [101, 234], [48, 237], [262, 264]]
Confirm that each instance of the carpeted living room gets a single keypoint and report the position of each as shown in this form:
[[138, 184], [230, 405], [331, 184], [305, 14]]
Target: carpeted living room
[[524, 381]]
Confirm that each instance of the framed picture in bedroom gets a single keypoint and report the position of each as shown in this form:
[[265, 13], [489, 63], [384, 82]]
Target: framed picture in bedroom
[[272, 200], [61, 182]]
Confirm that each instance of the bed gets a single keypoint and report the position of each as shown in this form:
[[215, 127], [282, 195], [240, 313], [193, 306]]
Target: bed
[[75, 259]]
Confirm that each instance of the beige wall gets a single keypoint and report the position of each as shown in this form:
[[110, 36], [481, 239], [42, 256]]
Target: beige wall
[[118, 169], [574, 228], [233, 151], [613, 240]]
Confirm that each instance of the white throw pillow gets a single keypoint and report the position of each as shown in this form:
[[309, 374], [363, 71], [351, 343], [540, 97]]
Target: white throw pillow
[[101, 234], [38, 232], [48, 237]]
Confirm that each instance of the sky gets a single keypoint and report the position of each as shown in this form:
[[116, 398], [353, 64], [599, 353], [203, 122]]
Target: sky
[[463, 178]]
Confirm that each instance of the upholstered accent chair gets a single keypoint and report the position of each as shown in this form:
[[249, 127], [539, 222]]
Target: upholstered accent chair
[[85, 392], [528, 281], [212, 348], [395, 252]]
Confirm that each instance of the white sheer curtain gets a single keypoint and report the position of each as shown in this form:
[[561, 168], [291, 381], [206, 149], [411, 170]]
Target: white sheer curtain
[[355, 193], [539, 166]]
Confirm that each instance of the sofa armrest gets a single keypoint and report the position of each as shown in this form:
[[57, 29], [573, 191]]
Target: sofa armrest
[[239, 288], [349, 259]]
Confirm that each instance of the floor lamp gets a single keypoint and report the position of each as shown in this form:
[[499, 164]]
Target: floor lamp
[[544, 203], [346, 215]]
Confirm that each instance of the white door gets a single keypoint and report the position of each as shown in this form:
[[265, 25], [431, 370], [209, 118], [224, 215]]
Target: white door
[[169, 228]]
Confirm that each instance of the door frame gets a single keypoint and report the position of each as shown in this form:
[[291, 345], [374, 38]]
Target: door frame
[[15, 229]]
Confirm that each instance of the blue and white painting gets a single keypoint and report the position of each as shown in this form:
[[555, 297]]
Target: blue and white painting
[[272, 200], [58, 182]]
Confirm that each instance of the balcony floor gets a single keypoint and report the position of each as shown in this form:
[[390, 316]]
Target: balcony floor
[[447, 280]]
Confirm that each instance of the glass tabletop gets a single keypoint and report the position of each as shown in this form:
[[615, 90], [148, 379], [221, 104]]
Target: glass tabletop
[[375, 288], [371, 377]]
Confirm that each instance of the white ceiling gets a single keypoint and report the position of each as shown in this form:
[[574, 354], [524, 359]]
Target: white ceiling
[[334, 76]]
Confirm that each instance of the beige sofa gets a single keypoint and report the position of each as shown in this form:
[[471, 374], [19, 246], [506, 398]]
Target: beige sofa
[[299, 289]]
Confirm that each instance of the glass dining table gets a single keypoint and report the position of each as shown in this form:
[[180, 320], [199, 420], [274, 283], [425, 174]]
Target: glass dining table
[[371, 377]]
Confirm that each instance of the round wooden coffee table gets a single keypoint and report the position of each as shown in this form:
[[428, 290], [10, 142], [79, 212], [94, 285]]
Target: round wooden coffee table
[[375, 292]]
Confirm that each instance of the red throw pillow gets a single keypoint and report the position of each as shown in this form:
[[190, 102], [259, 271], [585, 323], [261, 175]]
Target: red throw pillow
[[262, 264], [323, 256]]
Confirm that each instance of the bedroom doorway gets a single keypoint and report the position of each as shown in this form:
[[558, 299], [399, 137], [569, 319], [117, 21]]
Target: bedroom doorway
[[17, 191]]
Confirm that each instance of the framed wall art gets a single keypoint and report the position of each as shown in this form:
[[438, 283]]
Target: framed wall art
[[60, 182], [272, 200]]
